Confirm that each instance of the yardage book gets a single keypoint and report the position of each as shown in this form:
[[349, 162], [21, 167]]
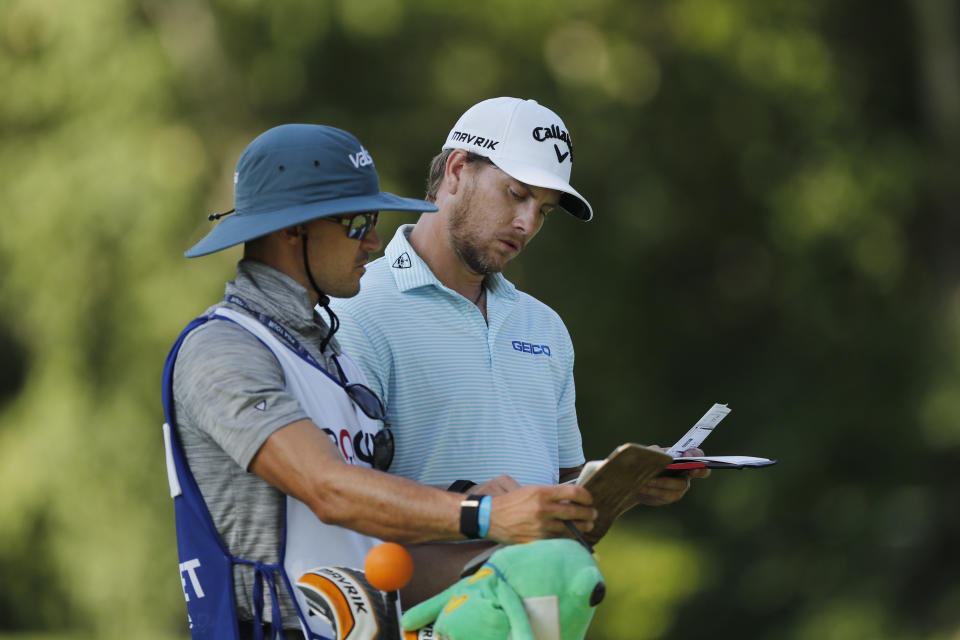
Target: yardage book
[[614, 481]]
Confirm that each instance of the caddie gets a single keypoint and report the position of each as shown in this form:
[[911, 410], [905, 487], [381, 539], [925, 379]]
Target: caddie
[[276, 446]]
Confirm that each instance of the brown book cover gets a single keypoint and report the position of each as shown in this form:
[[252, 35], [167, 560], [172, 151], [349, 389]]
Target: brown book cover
[[614, 482]]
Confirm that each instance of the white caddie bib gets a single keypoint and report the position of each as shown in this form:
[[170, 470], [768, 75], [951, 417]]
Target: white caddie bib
[[309, 542]]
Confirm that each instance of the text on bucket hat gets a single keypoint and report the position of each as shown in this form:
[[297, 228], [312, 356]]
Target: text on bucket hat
[[294, 173], [527, 141]]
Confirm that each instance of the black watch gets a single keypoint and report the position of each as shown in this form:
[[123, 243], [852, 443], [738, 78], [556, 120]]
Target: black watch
[[470, 516], [461, 486]]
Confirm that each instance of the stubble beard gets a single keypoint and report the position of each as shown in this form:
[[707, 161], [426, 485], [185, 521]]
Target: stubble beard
[[465, 239]]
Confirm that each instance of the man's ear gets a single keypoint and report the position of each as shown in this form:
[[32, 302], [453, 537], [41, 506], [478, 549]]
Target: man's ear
[[453, 171], [291, 235]]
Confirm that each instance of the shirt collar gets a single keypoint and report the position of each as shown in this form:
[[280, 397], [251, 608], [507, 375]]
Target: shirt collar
[[411, 272], [279, 296]]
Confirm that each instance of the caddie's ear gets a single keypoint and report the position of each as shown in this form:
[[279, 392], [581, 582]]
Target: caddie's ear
[[292, 235]]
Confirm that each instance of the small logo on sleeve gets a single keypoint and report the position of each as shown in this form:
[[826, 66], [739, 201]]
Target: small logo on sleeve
[[532, 349]]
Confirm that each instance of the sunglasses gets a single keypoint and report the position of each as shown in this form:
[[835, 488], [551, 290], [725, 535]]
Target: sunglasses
[[357, 225], [370, 404]]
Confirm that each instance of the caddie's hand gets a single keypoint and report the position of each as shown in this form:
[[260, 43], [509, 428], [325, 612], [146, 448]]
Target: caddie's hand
[[497, 487], [533, 513], [668, 489]]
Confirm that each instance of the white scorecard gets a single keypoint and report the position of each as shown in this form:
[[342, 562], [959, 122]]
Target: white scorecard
[[699, 432]]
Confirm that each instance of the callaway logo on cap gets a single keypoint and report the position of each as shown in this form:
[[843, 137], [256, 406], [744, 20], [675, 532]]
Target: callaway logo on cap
[[527, 141]]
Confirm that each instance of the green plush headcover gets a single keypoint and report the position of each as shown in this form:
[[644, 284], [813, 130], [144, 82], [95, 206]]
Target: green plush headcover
[[552, 586]]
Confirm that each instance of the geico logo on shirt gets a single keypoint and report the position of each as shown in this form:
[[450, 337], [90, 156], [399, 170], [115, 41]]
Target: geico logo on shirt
[[535, 349]]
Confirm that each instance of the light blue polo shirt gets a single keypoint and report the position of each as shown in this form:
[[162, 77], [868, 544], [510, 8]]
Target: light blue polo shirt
[[465, 400]]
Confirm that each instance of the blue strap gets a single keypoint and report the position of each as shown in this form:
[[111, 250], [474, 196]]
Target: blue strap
[[483, 515], [496, 570], [275, 609], [291, 341], [258, 604], [266, 572], [277, 328]]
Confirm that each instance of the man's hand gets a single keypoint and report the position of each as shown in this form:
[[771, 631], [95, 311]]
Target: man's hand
[[497, 487], [668, 489], [533, 513]]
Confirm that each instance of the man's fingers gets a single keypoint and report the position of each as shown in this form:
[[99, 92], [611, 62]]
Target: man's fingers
[[583, 525], [574, 512], [668, 483], [571, 493], [505, 482], [532, 513], [497, 487], [663, 490], [695, 473]]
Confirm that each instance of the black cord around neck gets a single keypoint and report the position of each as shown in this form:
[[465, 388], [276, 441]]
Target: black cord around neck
[[324, 300]]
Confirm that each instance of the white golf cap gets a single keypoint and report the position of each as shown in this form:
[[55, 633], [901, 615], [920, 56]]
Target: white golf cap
[[527, 141]]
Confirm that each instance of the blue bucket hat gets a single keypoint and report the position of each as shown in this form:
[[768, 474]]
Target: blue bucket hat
[[295, 173]]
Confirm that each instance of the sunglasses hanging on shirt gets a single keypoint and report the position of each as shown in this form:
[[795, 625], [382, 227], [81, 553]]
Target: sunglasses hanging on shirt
[[368, 402]]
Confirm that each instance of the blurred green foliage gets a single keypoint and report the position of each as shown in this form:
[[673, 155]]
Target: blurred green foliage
[[775, 186]]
